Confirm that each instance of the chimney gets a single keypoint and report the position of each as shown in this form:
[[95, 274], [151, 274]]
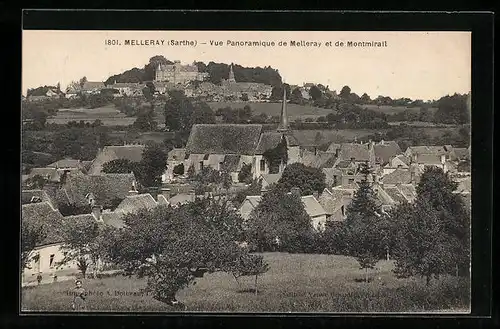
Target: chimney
[[337, 152], [443, 159], [382, 142], [316, 195], [97, 212], [295, 191]]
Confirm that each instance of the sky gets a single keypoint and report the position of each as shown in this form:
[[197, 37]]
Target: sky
[[417, 65]]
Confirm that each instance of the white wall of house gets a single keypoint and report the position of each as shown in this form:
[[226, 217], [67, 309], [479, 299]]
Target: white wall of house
[[293, 154], [256, 167], [318, 222], [48, 260]]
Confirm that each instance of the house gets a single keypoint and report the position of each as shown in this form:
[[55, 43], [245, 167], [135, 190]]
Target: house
[[92, 87], [335, 202], [416, 150], [243, 144], [47, 255], [389, 196], [399, 176], [395, 162], [427, 160], [384, 151], [108, 153], [175, 158], [315, 211], [106, 190], [248, 205], [353, 152], [133, 203]]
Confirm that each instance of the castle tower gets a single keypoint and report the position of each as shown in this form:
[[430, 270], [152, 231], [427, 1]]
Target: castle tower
[[231, 74], [283, 127]]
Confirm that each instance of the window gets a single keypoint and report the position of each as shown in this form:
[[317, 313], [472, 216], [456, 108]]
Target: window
[[343, 210], [51, 260], [262, 165], [351, 180], [201, 165]]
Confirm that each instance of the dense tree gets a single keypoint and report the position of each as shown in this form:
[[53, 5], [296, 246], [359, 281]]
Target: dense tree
[[345, 92], [145, 120], [247, 264], [85, 239], [276, 156], [434, 235], [280, 222], [152, 165], [36, 182], [254, 188], [365, 99], [308, 179], [315, 93], [296, 96], [452, 109], [245, 174], [277, 92], [172, 247]]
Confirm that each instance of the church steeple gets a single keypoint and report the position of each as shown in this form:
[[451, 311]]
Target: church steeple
[[231, 74], [283, 126]]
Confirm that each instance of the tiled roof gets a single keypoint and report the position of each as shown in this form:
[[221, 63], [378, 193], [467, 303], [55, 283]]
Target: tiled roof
[[460, 154], [271, 178], [176, 154], [431, 159], [231, 162], [409, 191], [254, 200], [49, 217], [113, 219], [358, 152], [181, 199], [437, 150], [395, 194], [109, 153], [384, 152], [29, 196], [271, 139], [133, 203], [331, 200], [398, 176], [105, 188], [312, 206], [223, 139], [89, 85], [52, 174], [66, 163], [82, 217]]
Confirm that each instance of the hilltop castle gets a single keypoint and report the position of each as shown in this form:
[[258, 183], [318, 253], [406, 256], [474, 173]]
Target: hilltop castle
[[178, 74]]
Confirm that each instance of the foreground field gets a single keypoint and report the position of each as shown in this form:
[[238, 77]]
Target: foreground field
[[294, 283]]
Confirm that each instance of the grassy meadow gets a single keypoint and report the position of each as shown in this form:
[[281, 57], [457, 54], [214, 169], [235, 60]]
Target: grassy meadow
[[108, 114], [294, 111], [389, 109], [294, 283]]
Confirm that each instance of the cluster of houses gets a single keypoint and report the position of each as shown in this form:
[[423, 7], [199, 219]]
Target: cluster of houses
[[170, 77], [228, 147]]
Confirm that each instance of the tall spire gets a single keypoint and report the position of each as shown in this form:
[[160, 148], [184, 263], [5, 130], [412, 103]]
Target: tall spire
[[283, 127], [231, 74]]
